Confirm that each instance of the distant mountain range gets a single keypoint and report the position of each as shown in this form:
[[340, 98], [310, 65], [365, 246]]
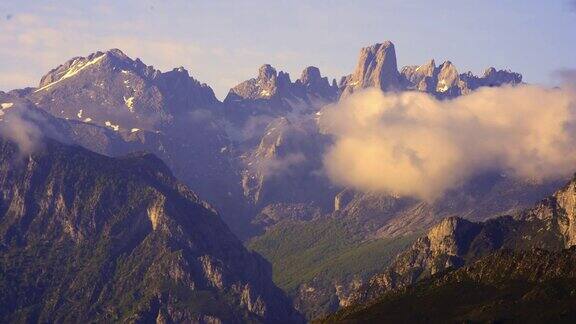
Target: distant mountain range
[[256, 158]]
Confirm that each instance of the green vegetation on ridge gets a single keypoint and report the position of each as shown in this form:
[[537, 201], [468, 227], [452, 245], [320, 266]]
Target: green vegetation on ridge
[[325, 250]]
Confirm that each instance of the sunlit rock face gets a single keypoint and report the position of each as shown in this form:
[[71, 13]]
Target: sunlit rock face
[[376, 67]]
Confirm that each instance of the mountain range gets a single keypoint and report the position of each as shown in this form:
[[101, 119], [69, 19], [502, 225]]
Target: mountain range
[[255, 160]]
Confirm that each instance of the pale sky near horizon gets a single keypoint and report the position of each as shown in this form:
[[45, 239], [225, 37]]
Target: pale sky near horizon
[[223, 43]]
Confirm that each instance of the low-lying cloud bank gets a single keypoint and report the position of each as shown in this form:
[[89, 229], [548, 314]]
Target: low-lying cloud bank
[[412, 144]]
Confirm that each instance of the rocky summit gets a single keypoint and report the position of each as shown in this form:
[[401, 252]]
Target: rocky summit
[[112, 90], [273, 94], [377, 68]]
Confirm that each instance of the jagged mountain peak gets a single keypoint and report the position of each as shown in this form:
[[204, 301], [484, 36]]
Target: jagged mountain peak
[[378, 47], [447, 67], [493, 77], [310, 75], [490, 71], [110, 89], [448, 77], [316, 85], [180, 71], [111, 61], [266, 72], [420, 77], [273, 93], [376, 67], [116, 52], [427, 68], [444, 81]]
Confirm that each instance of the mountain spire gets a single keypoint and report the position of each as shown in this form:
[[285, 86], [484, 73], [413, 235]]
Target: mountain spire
[[377, 67]]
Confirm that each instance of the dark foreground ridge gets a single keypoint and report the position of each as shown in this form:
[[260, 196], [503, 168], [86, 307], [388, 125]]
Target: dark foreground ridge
[[535, 286]]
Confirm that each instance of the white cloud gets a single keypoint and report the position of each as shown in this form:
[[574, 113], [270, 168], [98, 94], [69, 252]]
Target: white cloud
[[412, 144]]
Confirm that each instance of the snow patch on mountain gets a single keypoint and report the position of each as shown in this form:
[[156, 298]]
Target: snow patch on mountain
[[113, 126]]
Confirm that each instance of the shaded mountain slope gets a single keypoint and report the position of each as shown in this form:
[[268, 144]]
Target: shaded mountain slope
[[84, 237]]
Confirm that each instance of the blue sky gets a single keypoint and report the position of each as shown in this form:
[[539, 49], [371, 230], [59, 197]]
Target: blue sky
[[224, 42]]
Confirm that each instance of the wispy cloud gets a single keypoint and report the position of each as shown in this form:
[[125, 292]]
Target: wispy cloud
[[19, 126]]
